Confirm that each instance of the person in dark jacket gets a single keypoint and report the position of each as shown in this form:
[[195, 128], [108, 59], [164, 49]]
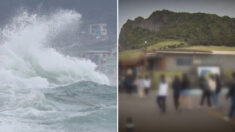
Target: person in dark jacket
[[176, 86], [185, 91], [205, 91], [128, 82], [231, 95], [218, 87]]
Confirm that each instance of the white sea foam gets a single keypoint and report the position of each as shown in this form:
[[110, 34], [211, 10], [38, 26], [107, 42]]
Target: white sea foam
[[27, 60]]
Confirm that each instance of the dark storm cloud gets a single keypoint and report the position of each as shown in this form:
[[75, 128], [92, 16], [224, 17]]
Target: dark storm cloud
[[130, 9]]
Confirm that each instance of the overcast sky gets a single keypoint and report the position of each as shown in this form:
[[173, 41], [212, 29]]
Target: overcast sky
[[130, 9], [91, 10]]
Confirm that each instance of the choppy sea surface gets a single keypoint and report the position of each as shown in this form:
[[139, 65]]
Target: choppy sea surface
[[83, 106]]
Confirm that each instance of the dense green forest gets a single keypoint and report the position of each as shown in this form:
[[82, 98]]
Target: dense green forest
[[191, 29]]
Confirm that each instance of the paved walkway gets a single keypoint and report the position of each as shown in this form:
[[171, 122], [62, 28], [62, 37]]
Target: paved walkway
[[147, 117]]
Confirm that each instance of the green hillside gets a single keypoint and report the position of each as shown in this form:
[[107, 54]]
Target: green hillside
[[180, 28]]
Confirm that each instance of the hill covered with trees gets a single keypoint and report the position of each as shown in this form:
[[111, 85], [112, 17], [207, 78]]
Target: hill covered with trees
[[186, 29]]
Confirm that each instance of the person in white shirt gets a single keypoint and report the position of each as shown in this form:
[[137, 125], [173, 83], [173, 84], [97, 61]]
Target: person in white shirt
[[147, 84], [212, 88], [162, 93], [140, 86]]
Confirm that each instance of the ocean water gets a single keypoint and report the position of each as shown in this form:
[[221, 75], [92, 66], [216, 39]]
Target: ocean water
[[42, 90]]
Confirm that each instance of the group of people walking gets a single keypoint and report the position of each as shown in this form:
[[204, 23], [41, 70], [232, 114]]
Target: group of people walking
[[140, 84], [210, 85], [180, 90]]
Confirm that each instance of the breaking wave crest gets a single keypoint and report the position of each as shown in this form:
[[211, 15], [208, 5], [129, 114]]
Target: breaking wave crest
[[27, 60]]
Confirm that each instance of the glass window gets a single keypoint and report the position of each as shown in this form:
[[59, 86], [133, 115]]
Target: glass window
[[184, 61]]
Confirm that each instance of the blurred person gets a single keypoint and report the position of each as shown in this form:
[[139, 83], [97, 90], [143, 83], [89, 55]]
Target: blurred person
[[128, 82], [185, 91], [134, 71], [147, 84], [231, 95], [212, 87], [218, 87], [129, 125], [176, 86], [162, 93], [205, 91], [141, 86]]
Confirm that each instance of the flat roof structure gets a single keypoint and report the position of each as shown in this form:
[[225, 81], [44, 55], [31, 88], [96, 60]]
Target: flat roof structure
[[194, 52]]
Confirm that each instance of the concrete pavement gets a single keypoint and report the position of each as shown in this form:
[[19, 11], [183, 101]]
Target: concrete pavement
[[147, 117]]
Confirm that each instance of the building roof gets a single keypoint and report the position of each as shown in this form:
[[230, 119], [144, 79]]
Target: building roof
[[186, 51], [223, 52]]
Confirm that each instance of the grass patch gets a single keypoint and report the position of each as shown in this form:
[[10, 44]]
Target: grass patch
[[228, 74], [167, 45], [130, 54]]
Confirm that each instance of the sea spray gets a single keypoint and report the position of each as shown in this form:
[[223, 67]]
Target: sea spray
[[27, 59]]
